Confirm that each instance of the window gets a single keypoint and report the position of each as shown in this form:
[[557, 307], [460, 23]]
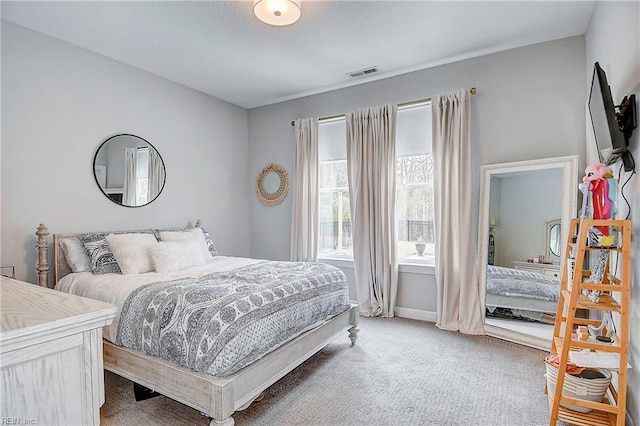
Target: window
[[414, 208], [335, 213], [414, 186], [142, 175], [414, 182]]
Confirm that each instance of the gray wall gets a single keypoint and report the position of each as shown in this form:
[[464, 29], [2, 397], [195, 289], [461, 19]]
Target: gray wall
[[60, 102], [613, 40], [530, 105]]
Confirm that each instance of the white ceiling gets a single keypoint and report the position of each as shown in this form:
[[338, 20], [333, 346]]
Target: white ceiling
[[220, 48]]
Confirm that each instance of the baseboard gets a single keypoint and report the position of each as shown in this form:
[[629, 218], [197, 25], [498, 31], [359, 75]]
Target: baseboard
[[515, 337], [416, 314]]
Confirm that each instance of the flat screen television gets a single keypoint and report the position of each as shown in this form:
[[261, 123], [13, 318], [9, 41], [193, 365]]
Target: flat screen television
[[612, 124]]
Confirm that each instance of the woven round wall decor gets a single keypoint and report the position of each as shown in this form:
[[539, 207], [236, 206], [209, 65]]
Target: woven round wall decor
[[272, 184]]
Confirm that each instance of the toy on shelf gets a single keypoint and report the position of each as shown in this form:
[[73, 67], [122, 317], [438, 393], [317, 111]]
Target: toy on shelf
[[598, 202], [596, 276], [601, 189]]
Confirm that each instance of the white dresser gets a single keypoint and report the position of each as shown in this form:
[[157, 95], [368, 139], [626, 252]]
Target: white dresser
[[50, 355], [552, 270]]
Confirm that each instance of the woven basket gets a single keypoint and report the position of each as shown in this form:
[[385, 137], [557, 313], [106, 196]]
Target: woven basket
[[578, 387]]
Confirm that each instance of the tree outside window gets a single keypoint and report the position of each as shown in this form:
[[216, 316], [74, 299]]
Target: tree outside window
[[335, 212]]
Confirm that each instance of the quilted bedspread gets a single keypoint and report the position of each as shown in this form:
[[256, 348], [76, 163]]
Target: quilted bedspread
[[516, 282], [221, 322]]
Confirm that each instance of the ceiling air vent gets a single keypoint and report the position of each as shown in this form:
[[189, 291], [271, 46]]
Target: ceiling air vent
[[363, 72]]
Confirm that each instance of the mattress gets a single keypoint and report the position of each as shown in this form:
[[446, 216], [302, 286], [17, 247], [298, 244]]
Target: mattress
[[115, 288], [520, 283]]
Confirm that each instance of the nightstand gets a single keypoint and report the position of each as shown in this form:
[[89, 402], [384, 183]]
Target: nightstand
[[8, 271]]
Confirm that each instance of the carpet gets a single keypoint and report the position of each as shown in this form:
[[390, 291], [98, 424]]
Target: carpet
[[400, 372]]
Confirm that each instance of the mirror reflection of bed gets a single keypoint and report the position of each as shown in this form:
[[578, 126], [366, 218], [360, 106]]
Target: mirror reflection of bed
[[523, 207]]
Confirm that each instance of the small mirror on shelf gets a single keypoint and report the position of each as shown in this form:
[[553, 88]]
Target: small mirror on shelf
[[129, 170], [553, 238]]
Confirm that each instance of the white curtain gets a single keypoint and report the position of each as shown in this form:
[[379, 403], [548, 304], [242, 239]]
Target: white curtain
[[155, 176], [458, 304], [129, 197], [304, 214], [371, 165]]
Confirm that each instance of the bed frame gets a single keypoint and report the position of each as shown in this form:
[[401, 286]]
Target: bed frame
[[522, 303], [218, 398]]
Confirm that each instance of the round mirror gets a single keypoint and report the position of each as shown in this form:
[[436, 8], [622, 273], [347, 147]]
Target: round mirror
[[129, 170], [554, 239], [272, 184]]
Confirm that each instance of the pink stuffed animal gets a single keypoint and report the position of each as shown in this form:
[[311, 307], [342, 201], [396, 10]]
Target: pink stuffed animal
[[597, 171], [595, 178]]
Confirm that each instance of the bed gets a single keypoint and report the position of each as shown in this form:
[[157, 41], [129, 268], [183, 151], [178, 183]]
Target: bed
[[299, 307], [528, 292]]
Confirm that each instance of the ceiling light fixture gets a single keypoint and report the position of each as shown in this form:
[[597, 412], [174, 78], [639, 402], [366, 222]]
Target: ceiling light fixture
[[277, 12]]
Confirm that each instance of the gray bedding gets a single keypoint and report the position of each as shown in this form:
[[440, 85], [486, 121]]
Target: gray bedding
[[222, 322], [515, 282]]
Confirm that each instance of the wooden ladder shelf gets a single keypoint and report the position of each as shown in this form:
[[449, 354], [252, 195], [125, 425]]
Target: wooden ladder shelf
[[614, 298]]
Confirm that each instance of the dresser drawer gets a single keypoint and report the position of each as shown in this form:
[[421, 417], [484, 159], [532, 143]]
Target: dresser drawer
[[552, 273], [522, 268], [548, 269]]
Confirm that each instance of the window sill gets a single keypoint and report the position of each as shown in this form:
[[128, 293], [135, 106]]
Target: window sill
[[416, 268], [340, 262], [403, 267]]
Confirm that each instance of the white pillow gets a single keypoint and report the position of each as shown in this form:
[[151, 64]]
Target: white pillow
[[168, 256], [131, 251], [77, 259], [194, 234]]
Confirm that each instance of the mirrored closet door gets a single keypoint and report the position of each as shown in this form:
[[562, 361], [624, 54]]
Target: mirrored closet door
[[524, 212]]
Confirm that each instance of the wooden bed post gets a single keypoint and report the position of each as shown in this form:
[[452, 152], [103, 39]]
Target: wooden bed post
[[43, 261], [353, 333], [355, 320]]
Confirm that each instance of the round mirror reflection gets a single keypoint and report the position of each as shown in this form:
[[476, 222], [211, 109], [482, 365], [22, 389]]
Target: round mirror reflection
[[271, 182], [129, 170], [554, 239]]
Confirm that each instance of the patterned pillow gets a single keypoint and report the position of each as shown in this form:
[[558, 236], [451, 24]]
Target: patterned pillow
[[101, 258], [212, 247], [207, 237]]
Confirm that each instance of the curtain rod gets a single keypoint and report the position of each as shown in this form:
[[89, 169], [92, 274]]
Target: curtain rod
[[473, 91]]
